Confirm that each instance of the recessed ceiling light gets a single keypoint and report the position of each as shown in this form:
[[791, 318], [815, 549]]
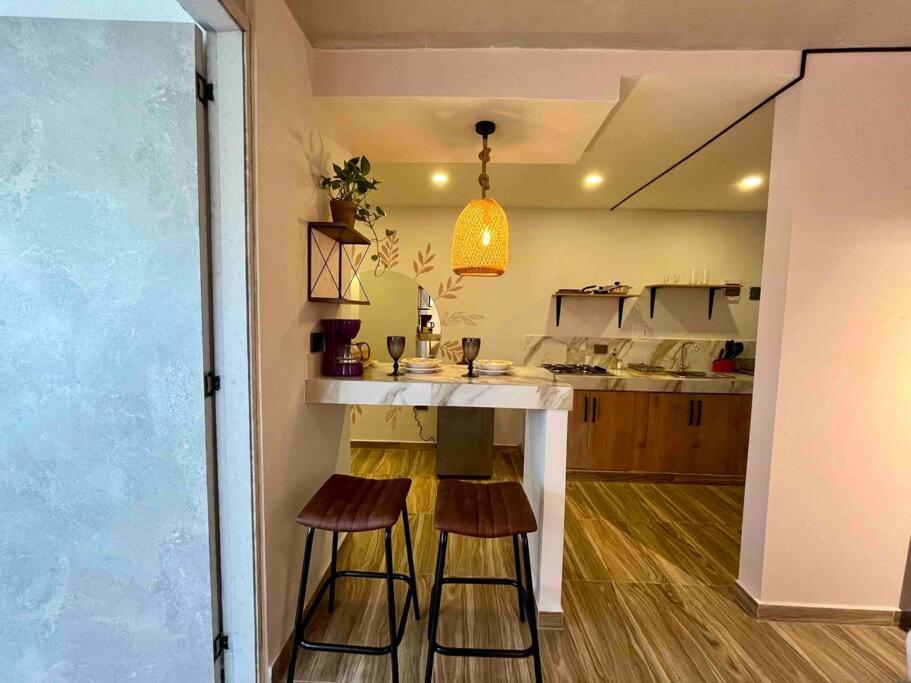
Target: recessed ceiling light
[[750, 182], [593, 180], [439, 178]]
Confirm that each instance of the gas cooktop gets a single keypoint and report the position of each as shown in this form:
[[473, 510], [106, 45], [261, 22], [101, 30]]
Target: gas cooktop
[[574, 369]]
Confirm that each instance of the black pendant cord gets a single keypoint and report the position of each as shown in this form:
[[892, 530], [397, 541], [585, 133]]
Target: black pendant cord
[[803, 67]]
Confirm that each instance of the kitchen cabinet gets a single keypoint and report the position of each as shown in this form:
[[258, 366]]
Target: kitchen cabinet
[[696, 433], [671, 433], [607, 430]]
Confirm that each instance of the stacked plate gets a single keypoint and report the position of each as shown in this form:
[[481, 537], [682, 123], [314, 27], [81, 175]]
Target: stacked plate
[[493, 367], [421, 366]]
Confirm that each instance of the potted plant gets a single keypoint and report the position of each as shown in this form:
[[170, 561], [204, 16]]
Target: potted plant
[[347, 188]]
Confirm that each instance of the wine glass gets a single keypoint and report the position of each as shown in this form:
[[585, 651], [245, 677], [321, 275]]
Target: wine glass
[[471, 346], [396, 347]]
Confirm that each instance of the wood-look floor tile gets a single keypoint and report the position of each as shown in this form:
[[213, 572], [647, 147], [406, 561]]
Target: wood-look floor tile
[[839, 653], [720, 542], [677, 561], [675, 641], [606, 553], [753, 642], [613, 501], [687, 503], [601, 635]]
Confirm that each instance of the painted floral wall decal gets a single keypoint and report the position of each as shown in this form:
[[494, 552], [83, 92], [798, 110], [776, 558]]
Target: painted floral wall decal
[[421, 263], [460, 318], [451, 349], [389, 252], [449, 289]]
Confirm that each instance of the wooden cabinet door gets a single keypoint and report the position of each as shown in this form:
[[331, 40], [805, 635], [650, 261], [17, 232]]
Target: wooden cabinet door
[[719, 440], [577, 431], [672, 435], [618, 425], [739, 462]]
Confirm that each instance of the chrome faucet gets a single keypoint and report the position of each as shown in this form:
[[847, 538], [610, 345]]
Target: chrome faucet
[[683, 367]]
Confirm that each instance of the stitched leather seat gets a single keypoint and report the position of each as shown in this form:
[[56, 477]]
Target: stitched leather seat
[[483, 510], [346, 503]]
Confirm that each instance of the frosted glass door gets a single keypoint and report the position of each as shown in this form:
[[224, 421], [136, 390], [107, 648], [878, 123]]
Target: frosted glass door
[[104, 536]]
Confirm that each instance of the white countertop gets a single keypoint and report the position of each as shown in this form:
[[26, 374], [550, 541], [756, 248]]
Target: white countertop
[[630, 380], [523, 388]]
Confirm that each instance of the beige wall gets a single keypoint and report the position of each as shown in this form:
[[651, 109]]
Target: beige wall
[[828, 484], [301, 445], [550, 249]]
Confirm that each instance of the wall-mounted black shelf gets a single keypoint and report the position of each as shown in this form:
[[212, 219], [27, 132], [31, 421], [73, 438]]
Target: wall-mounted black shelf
[[342, 236], [730, 290], [619, 298]]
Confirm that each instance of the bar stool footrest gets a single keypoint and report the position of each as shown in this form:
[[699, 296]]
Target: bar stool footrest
[[356, 649]]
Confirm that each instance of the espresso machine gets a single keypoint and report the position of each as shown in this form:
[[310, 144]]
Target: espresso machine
[[425, 334], [343, 357]]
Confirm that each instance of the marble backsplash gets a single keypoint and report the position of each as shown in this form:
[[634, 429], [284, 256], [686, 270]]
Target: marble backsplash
[[666, 352]]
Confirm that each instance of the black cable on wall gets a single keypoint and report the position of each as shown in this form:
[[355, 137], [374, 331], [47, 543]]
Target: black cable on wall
[[803, 68]]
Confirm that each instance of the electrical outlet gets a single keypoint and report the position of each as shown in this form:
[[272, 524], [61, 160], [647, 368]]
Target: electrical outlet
[[601, 349], [640, 333]]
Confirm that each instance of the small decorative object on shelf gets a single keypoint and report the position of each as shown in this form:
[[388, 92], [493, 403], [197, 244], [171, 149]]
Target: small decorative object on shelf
[[331, 270]]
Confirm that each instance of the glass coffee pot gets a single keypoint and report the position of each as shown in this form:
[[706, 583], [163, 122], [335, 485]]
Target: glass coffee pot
[[350, 353]]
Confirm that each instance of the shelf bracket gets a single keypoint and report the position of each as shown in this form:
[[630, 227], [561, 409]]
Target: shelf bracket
[[620, 312], [712, 291], [559, 307], [652, 293]]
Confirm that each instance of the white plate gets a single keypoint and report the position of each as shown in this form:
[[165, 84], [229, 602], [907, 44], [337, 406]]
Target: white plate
[[420, 362], [503, 371], [421, 371], [499, 365]]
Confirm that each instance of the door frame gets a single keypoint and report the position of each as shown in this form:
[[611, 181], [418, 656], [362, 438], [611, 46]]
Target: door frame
[[233, 241]]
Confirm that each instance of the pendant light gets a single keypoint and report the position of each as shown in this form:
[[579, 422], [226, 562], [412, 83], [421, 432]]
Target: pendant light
[[480, 241]]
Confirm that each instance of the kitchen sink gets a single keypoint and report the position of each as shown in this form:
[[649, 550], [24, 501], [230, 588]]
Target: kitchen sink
[[702, 375]]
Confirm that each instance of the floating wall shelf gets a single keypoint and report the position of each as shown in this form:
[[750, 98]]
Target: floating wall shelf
[[730, 290], [619, 298], [342, 236]]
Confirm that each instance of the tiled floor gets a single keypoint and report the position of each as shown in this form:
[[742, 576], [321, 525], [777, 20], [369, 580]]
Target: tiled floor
[[648, 571]]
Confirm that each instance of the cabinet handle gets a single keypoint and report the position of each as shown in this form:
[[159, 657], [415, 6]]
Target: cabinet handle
[[689, 420], [585, 413], [594, 410], [699, 415]]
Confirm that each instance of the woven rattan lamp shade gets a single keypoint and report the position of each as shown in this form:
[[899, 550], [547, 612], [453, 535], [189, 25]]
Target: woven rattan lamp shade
[[480, 241]]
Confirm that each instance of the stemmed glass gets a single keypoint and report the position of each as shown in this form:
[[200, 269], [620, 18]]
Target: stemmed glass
[[396, 347], [471, 346]]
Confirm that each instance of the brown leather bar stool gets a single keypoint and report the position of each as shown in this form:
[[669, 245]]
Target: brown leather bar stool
[[484, 511], [353, 504]]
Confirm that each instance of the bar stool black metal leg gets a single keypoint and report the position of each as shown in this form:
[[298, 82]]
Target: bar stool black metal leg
[[435, 600], [302, 592], [332, 571], [414, 580], [515, 553], [390, 598], [531, 609]]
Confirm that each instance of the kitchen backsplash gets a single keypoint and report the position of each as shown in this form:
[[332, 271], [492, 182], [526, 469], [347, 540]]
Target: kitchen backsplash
[[546, 349]]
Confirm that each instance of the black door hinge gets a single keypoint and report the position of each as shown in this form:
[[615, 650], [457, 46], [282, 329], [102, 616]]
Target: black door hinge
[[212, 383], [219, 645], [205, 91]]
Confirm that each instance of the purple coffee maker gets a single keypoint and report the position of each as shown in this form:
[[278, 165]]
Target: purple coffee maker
[[343, 357]]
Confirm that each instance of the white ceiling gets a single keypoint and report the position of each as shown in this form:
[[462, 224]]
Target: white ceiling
[[657, 121], [608, 24]]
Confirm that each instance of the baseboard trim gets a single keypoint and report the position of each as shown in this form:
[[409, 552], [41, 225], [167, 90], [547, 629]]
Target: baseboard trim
[[550, 621], [656, 477], [818, 615], [418, 445], [280, 665]]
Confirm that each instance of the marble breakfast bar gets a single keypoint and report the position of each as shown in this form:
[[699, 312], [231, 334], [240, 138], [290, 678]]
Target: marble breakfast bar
[[546, 401]]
